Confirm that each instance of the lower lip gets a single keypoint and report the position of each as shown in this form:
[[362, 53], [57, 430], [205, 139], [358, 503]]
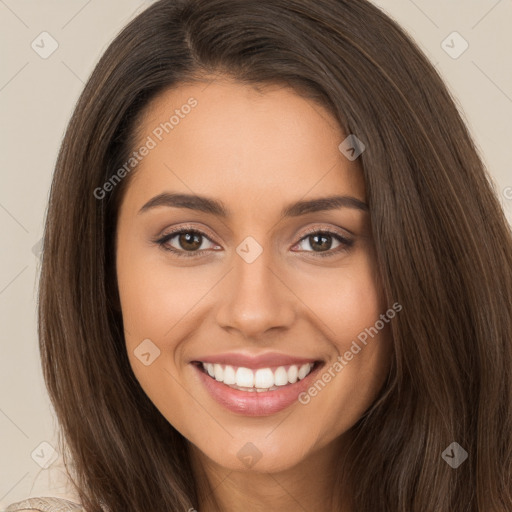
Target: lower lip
[[254, 403]]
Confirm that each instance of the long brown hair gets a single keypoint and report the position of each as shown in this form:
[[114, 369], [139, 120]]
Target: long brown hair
[[443, 246]]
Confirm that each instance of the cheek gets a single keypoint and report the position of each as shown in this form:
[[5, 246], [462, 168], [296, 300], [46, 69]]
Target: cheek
[[348, 300], [157, 302], [350, 306], [151, 308], [356, 307], [154, 296]]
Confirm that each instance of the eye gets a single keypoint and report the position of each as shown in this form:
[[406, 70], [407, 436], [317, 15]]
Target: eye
[[323, 239], [189, 241]]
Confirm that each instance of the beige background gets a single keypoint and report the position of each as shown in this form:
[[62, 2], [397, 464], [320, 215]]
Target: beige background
[[36, 100]]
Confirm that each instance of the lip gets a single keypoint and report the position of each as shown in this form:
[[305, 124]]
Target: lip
[[254, 403], [254, 362]]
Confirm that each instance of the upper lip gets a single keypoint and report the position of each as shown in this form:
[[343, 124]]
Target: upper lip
[[265, 360]]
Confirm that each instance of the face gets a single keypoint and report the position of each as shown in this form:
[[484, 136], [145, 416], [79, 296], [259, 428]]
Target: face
[[243, 305]]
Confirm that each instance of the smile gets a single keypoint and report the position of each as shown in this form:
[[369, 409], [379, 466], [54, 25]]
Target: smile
[[262, 390]]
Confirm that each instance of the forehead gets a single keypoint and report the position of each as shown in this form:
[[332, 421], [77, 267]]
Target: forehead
[[229, 140]]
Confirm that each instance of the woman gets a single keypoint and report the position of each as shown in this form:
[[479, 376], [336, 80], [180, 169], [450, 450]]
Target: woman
[[276, 275]]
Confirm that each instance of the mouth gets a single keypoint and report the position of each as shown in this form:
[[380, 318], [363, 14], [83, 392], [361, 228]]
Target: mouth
[[256, 391]]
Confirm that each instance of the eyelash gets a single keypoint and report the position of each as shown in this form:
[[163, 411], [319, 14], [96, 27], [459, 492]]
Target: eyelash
[[346, 243]]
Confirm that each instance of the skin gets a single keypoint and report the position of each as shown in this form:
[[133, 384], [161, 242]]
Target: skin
[[256, 151]]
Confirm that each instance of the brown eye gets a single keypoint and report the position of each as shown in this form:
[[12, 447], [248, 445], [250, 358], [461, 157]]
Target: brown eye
[[321, 243], [188, 242]]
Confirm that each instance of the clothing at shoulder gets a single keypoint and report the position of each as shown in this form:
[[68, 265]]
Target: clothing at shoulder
[[45, 505]]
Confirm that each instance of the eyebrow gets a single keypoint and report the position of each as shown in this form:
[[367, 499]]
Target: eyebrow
[[217, 208]]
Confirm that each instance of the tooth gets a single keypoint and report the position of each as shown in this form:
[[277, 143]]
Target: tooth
[[264, 378], [281, 376], [229, 375], [293, 372], [219, 372], [304, 370], [244, 377]]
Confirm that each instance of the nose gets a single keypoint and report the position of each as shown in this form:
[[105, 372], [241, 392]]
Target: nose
[[255, 299]]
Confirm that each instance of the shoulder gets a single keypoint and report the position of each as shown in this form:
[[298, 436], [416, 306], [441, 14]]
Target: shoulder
[[45, 504]]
